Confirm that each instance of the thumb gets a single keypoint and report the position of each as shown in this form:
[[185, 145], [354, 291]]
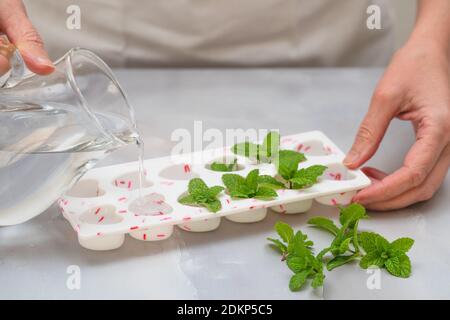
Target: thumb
[[24, 36], [371, 131]]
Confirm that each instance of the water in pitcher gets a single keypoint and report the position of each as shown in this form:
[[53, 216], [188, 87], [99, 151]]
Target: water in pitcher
[[48, 148]]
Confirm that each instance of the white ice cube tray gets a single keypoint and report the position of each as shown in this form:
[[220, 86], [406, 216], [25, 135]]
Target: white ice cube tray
[[98, 206]]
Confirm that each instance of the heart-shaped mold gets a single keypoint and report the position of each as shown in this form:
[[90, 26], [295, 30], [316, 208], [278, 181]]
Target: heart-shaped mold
[[86, 188], [312, 148], [337, 172], [338, 199], [101, 215], [102, 242], [178, 172], [131, 181], [204, 225], [251, 216], [152, 204], [153, 234], [293, 207]]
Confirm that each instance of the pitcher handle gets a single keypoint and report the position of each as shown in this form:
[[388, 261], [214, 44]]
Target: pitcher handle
[[10, 52]]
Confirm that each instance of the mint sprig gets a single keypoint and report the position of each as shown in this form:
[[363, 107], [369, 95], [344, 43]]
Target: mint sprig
[[224, 167], [307, 177], [266, 152], [287, 164], [348, 244], [381, 253], [296, 251], [199, 194], [377, 251], [345, 245], [252, 186]]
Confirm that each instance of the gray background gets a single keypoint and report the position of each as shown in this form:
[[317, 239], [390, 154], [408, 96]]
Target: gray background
[[233, 261]]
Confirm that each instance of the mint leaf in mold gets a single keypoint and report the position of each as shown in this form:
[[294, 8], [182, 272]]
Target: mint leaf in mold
[[199, 194], [224, 167], [265, 153], [248, 187]]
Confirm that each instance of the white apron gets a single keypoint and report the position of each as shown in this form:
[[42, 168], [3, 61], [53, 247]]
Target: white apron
[[143, 33]]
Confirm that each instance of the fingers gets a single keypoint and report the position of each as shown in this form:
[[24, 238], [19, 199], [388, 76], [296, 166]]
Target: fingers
[[4, 65], [372, 129], [374, 173], [5, 55], [417, 165], [23, 35], [421, 193]]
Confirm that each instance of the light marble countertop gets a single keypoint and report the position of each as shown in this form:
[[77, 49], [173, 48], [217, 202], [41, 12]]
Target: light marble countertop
[[233, 261]]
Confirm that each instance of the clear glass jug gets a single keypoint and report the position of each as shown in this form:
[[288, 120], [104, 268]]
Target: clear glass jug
[[54, 128]]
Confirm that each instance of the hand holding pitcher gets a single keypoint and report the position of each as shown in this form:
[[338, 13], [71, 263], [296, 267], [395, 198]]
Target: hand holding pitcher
[[15, 24]]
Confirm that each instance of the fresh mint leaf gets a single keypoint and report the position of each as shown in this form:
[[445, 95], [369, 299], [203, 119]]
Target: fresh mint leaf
[[335, 246], [309, 243], [318, 280], [221, 167], [298, 280], [264, 193], [200, 195], [285, 231], [269, 181], [340, 261], [187, 200], [298, 245], [197, 187], [248, 187], [246, 149], [214, 191], [287, 163], [306, 241], [224, 167], [399, 266], [264, 153], [252, 180], [270, 145], [296, 264], [325, 224], [402, 244], [232, 181], [372, 259], [213, 205], [344, 246], [323, 253], [373, 242], [351, 214], [298, 179], [281, 247], [240, 194], [355, 239], [315, 263], [306, 177]]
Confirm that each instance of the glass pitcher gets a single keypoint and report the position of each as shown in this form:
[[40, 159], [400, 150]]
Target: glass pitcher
[[54, 128]]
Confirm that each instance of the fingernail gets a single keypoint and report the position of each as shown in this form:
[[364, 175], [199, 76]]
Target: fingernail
[[350, 158], [44, 61]]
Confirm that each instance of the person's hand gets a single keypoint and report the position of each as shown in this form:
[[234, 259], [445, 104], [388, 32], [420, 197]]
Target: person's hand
[[16, 25], [416, 88]]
